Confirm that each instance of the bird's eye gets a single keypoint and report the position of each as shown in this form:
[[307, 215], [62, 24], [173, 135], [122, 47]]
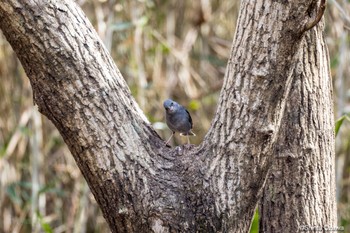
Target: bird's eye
[[171, 104]]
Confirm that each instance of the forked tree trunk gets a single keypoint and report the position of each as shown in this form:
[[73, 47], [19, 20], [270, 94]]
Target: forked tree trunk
[[301, 185], [141, 185]]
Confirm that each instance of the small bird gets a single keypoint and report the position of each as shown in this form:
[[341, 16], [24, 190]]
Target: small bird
[[178, 119]]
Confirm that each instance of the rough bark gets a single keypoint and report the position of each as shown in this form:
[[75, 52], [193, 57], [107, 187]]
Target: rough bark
[[300, 189], [141, 185]]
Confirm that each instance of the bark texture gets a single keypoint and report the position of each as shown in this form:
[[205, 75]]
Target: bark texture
[[301, 183], [141, 185]]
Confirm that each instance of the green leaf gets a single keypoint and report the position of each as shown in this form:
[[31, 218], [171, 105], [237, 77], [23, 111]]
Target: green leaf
[[12, 194], [142, 21], [255, 223], [122, 26], [50, 188], [44, 225], [194, 105], [339, 122]]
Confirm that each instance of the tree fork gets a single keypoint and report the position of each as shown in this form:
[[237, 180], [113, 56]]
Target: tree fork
[[140, 184]]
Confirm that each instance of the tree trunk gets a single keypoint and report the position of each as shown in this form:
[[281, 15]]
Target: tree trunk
[[141, 185], [300, 189]]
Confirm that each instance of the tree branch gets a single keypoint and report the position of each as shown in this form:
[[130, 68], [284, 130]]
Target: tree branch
[[318, 17], [138, 182], [304, 149]]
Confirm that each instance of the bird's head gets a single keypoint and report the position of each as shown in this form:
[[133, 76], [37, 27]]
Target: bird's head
[[170, 106]]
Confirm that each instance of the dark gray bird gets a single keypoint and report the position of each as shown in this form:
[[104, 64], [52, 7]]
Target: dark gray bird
[[178, 119]]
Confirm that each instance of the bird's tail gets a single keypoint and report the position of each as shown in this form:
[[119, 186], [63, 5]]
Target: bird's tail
[[189, 133]]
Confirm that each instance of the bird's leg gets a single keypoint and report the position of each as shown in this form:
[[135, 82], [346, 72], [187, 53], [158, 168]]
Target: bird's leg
[[188, 139], [170, 138]]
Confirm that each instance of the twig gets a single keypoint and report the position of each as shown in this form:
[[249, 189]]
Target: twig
[[318, 16]]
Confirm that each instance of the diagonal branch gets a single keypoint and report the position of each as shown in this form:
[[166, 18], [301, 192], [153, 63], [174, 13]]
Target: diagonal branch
[[318, 17]]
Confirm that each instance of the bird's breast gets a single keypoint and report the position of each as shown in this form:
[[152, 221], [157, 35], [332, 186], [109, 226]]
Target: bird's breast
[[178, 122]]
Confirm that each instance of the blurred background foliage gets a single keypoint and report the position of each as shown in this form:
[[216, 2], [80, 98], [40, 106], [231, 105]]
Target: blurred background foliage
[[163, 48]]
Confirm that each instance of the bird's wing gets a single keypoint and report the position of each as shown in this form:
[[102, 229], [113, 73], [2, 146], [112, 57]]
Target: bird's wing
[[189, 118]]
